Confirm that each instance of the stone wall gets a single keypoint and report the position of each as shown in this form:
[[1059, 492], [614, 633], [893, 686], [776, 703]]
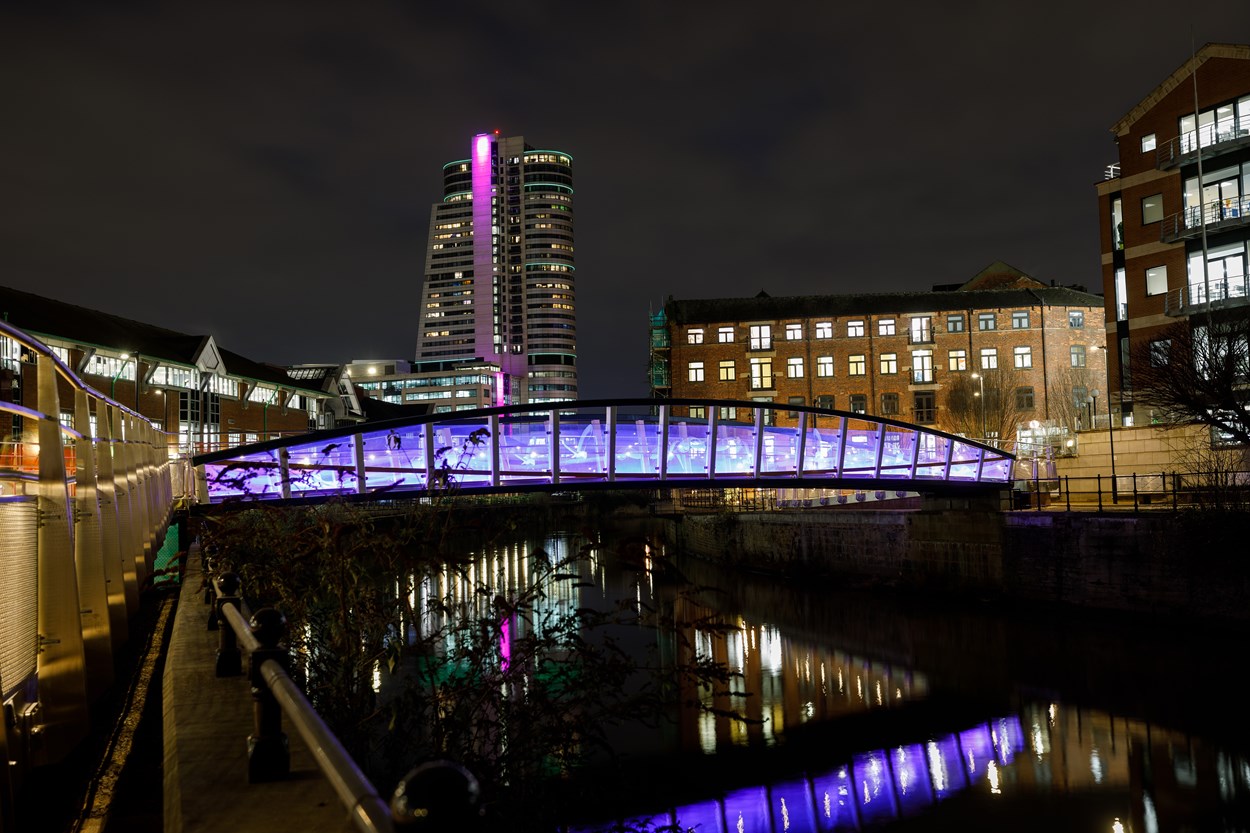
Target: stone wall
[[1186, 564]]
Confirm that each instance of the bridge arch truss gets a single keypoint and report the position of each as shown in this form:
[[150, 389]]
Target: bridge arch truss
[[629, 443]]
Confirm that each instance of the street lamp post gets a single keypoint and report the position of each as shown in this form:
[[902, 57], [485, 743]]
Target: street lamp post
[[1093, 400], [981, 395]]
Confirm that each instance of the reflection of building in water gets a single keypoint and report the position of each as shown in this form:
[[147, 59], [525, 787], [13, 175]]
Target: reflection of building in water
[[780, 682], [1140, 778]]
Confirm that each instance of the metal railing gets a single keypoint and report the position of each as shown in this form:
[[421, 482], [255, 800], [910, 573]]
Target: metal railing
[[85, 497], [1184, 300], [1136, 492], [604, 444], [260, 636]]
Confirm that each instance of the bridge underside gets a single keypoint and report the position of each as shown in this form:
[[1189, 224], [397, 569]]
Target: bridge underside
[[607, 444]]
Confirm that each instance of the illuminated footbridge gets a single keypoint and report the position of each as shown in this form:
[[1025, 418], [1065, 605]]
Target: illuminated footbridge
[[632, 443]]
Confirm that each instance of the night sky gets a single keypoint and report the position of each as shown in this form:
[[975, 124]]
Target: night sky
[[264, 171]]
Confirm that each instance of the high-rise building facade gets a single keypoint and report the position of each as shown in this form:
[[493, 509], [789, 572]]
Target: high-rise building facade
[[1175, 212], [499, 272]]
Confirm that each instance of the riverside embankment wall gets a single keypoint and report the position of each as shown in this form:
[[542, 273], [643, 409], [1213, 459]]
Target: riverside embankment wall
[[1187, 564]]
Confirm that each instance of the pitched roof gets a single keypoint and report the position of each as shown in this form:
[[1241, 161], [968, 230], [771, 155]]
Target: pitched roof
[[998, 286], [1180, 76], [48, 318]]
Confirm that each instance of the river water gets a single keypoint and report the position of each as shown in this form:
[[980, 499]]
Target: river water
[[879, 712]]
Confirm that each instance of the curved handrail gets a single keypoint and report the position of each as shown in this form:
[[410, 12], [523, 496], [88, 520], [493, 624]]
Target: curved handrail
[[623, 443]]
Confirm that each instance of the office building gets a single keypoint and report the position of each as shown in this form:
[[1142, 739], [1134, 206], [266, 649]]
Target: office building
[[499, 283], [1002, 356], [1175, 212]]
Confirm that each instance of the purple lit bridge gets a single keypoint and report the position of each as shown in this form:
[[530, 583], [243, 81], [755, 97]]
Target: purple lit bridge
[[623, 444]]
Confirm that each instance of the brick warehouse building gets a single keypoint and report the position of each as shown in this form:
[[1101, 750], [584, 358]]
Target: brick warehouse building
[[984, 358], [1174, 212]]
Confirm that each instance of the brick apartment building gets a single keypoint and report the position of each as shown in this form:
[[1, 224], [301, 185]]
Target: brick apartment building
[[985, 358], [1175, 211]]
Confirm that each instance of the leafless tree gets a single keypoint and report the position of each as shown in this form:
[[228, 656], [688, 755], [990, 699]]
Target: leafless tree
[[1198, 372], [997, 417], [1065, 409]]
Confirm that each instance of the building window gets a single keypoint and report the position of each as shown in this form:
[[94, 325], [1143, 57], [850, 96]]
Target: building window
[[1152, 209], [824, 329], [955, 323], [695, 371], [924, 407], [1024, 399], [1079, 395], [889, 364], [728, 372], [694, 336], [987, 321], [857, 365], [824, 401], [1147, 143], [854, 329], [1076, 318], [1078, 355], [1160, 352], [859, 403], [889, 404], [725, 335], [824, 366], [761, 374], [761, 337], [1023, 358], [1020, 319], [989, 358], [794, 332], [1156, 280], [794, 367], [728, 413], [920, 329], [698, 412], [957, 360], [793, 400], [922, 367]]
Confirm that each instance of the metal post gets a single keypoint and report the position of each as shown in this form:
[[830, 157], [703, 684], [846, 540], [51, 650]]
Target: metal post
[[1115, 498], [1067, 492], [229, 657], [268, 750], [1100, 492]]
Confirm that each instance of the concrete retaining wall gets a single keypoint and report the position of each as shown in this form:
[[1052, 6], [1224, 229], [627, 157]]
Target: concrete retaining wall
[[1182, 564]]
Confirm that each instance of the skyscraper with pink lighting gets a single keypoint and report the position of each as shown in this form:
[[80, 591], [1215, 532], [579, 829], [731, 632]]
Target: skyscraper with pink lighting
[[499, 283]]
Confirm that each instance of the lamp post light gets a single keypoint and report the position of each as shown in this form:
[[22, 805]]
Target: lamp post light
[[1093, 400], [981, 395]]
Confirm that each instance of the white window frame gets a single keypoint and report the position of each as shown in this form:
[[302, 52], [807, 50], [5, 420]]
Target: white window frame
[[694, 371]]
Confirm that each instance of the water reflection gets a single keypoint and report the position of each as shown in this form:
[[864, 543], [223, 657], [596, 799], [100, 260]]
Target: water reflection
[[1045, 764]]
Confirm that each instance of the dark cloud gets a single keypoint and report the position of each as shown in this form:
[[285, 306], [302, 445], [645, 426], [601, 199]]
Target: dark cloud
[[264, 171]]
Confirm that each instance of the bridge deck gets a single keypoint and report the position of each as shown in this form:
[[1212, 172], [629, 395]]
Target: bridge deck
[[629, 443]]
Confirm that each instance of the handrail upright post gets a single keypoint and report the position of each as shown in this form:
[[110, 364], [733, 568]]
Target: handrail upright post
[[1099, 492], [229, 657], [268, 749], [1067, 492]]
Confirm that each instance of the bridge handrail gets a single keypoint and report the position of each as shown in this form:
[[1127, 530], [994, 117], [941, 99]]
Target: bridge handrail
[[600, 444], [277, 694]]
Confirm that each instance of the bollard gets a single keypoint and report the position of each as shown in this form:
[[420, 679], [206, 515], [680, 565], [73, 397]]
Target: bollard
[[268, 750], [438, 796], [229, 658]]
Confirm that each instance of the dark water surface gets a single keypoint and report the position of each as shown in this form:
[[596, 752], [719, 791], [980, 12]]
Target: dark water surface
[[872, 712]]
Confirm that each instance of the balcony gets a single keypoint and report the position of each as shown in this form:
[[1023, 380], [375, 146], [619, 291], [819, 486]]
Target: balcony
[[1217, 215], [1216, 140], [1195, 298]]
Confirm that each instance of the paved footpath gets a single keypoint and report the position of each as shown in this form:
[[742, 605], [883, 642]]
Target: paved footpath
[[206, 723]]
